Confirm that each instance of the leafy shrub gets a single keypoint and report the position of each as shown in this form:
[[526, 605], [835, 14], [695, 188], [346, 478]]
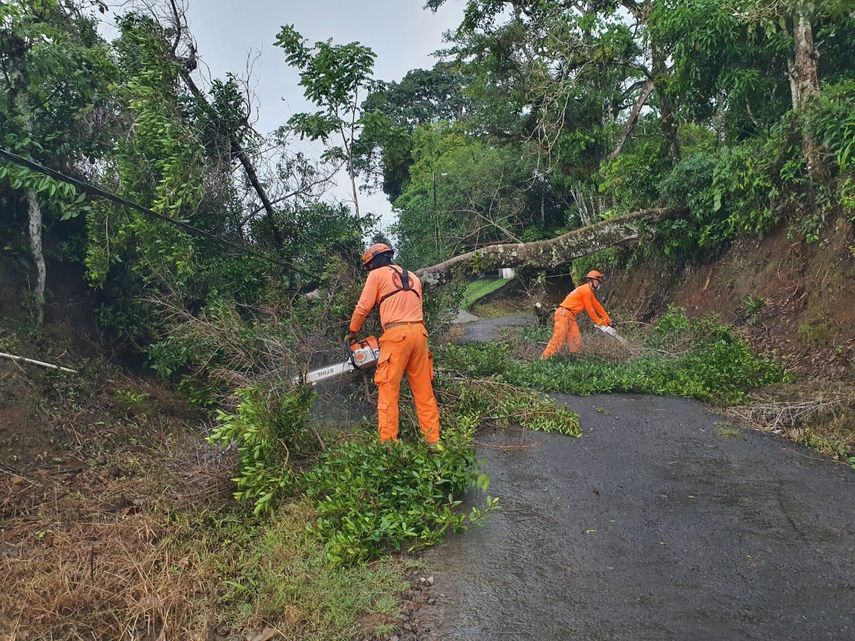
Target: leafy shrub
[[602, 260], [831, 118], [373, 497], [690, 183], [264, 428], [631, 177], [751, 305]]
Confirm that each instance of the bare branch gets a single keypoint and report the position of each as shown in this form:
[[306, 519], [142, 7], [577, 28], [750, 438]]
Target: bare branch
[[632, 120]]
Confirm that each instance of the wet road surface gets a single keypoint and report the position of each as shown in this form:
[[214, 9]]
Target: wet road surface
[[662, 522]]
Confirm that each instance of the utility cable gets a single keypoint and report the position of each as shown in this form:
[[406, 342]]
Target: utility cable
[[92, 190]]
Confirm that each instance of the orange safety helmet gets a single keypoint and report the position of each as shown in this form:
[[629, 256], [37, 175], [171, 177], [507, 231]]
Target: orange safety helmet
[[594, 275], [375, 250]]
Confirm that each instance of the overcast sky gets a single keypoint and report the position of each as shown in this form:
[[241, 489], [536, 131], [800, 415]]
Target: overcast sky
[[401, 33]]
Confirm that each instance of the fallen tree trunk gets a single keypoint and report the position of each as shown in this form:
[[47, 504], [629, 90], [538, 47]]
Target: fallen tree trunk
[[553, 252]]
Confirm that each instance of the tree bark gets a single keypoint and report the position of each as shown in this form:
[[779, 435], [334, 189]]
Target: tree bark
[[551, 253], [804, 83], [35, 219]]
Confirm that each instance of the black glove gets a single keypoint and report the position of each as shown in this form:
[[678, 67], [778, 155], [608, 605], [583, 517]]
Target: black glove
[[351, 337]]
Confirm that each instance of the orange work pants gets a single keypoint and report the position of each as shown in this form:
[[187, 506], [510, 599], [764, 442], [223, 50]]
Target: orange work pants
[[564, 334], [404, 348]]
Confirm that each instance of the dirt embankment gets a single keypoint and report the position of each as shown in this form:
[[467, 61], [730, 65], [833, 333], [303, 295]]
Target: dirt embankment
[[790, 300]]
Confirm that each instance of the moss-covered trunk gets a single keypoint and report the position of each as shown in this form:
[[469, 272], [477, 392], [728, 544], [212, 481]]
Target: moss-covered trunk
[[554, 252]]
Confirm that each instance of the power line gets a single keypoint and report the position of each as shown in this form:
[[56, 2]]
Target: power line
[[92, 190]]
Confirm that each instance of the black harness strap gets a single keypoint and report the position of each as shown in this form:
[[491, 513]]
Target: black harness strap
[[405, 285]]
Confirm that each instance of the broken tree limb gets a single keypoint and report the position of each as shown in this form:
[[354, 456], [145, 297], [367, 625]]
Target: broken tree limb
[[21, 359], [553, 252], [239, 153], [632, 120]]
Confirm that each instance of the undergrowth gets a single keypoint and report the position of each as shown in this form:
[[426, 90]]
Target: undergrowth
[[713, 364], [372, 497]]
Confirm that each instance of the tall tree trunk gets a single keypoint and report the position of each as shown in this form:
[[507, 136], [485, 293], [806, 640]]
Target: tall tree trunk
[[554, 252], [666, 108], [804, 83], [35, 219]]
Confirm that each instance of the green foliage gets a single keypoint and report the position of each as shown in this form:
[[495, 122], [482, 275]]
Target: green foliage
[[461, 192], [374, 497], [335, 78], [494, 401], [479, 288], [272, 569], [392, 112], [690, 183], [603, 261], [718, 56], [743, 188], [56, 73], [717, 366], [632, 177], [752, 305], [831, 118], [265, 428]]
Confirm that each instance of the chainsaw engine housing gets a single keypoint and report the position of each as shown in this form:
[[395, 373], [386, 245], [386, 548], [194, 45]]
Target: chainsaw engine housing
[[365, 353]]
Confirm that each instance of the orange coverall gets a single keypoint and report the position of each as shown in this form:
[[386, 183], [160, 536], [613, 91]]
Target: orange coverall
[[566, 331], [403, 348]]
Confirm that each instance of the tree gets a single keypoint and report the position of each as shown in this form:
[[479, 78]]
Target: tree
[[462, 193], [55, 107], [393, 111], [335, 78]]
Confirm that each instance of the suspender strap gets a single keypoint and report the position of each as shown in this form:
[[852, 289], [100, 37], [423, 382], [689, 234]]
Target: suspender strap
[[405, 285]]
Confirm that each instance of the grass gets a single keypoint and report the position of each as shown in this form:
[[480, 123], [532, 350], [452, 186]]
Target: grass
[[478, 289], [278, 576], [125, 529], [176, 571]]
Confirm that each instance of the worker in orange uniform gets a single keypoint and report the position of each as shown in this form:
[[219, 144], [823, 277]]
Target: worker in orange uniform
[[403, 344], [566, 332]]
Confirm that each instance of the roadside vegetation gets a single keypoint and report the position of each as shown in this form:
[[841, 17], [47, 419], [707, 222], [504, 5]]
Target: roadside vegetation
[[479, 288], [700, 359], [210, 503]]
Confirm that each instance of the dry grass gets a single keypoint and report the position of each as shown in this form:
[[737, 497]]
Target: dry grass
[[138, 558], [819, 415], [116, 579], [126, 530]]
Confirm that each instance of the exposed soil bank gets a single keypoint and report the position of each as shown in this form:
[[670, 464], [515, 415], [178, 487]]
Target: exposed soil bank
[[660, 523], [790, 299]]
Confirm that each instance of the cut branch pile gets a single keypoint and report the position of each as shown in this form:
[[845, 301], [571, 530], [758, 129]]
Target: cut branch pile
[[773, 415]]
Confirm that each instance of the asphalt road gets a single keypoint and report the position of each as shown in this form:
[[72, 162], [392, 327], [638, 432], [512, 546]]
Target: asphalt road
[[662, 522]]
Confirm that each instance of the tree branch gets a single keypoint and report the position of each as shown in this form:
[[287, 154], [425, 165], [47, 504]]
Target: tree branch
[[632, 120]]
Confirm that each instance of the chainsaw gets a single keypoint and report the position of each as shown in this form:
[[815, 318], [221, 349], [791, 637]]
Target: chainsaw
[[611, 331], [364, 354]]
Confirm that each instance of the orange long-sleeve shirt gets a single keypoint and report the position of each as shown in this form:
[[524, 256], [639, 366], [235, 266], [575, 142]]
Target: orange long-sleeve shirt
[[405, 306], [583, 298]]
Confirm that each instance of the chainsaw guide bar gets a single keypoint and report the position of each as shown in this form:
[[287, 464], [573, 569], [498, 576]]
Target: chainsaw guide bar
[[364, 354]]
